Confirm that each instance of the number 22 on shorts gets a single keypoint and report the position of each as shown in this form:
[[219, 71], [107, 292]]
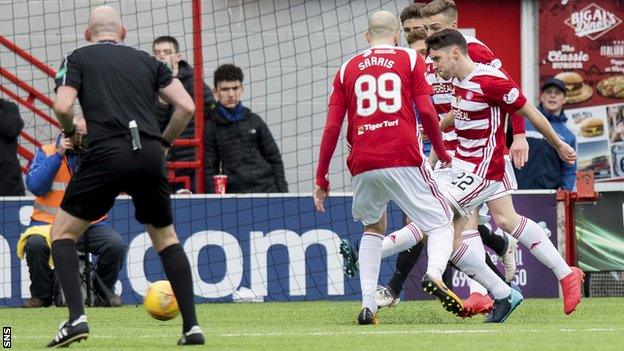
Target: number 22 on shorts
[[463, 180]]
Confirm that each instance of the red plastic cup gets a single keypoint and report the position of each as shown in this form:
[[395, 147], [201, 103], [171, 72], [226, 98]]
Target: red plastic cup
[[220, 183]]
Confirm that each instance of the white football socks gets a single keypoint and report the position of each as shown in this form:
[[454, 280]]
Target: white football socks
[[531, 235], [470, 259], [439, 250], [369, 260], [400, 240], [473, 239]]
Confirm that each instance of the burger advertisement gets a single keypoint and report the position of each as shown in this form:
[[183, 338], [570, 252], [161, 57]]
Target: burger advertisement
[[581, 43]]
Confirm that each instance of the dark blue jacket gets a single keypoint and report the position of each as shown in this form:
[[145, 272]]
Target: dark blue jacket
[[545, 170], [42, 171]]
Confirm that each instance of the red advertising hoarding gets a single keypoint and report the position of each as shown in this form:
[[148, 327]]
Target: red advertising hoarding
[[582, 43]]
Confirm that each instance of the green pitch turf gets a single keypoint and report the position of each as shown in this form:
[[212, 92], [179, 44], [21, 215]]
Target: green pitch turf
[[539, 324]]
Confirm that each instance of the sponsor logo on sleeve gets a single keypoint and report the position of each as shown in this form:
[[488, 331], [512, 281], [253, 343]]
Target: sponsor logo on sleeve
[[511, 96], [61, 72]]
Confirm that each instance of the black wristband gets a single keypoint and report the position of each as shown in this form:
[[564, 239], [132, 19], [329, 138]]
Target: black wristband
[[69, 134], [165, 142]]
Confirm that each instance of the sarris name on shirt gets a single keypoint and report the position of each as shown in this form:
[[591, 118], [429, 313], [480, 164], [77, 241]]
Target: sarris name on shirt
[[375, 61]]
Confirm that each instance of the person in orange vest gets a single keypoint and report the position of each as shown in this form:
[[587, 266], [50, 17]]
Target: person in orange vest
[[47, 177]]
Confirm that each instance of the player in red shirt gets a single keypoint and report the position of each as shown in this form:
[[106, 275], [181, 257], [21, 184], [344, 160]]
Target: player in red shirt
[[378, 89], [434, 17], [484, 96]]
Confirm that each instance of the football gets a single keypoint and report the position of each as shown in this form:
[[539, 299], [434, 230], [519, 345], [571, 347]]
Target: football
[[160, 302]]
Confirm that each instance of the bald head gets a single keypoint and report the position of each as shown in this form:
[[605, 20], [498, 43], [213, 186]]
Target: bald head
[[382, 24], [105, 23]]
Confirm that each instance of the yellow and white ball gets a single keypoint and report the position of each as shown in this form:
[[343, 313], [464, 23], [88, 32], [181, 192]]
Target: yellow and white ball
[[160, 302]]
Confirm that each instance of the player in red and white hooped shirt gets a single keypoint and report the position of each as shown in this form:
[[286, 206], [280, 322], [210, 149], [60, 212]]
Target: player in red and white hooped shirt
[[378, 90], [442, 14], [439, 15], [483, 96]]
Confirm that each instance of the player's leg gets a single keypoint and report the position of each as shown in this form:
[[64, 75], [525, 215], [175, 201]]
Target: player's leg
[[393, 243], [65, 230], [90, 195], [150, 193], [466, 193], [370, 253], [369, 207], [505, 248], [388, 296], [418, 195], [178, 271], [478, 301], [531, 235]]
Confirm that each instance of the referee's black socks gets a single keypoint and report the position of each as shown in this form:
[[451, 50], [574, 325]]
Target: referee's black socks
[[178, 272], [66, 266]]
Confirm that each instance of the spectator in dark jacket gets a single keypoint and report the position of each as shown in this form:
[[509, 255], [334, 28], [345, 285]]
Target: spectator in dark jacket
[[167, 50], [545, 170], [238, 143], [11, 125]]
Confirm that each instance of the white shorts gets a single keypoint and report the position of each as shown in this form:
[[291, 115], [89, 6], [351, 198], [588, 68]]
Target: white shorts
[[411, 188], [443, 177], [467, 190]]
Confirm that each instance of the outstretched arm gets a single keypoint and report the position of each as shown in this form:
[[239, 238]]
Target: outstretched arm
[[541, 124]]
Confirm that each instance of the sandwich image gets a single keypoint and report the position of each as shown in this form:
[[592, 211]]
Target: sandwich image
[[576, 90], [612, 87], [591, 127]]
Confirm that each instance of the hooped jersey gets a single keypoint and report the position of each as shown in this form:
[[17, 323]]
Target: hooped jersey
[[481, 103], [443, 88]]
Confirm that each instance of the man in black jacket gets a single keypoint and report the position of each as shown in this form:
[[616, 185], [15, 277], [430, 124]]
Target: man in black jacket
[[238, 143], [11, 125], [167, 50]]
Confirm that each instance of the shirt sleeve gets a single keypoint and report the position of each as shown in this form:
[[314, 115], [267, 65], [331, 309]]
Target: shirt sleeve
[[505, 93], [164, 75], [420, 85], [41, 172], [70, 73], [335, 117], [482, 54]]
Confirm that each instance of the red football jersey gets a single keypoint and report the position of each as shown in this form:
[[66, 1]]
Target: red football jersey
[[443, 89], [377, 87], [481, 105]]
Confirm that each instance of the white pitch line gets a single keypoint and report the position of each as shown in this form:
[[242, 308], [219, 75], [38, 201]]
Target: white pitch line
[[361, 332], [432, 331]]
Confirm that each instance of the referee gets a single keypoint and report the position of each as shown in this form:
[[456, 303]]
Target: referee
[[117, 87]]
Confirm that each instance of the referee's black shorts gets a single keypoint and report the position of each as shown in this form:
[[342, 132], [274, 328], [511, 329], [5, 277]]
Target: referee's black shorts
[[111, 167]]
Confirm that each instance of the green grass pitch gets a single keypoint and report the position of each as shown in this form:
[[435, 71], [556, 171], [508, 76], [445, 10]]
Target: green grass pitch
[[539, 324]]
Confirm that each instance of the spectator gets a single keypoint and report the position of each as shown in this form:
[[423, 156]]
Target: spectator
[[167, 50], [545, 170], [238, 143], [47, 177], [11, 125]]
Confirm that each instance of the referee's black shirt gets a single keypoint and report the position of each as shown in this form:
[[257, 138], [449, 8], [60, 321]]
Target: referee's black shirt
[[116, 84]]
